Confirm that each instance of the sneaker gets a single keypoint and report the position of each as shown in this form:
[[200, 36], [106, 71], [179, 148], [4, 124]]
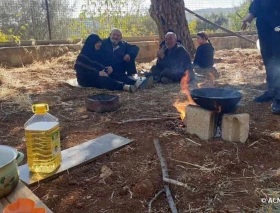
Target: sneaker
[[266, 97], [146, 83], [165, 80], [132, 77], [275, 107], [132, 89]]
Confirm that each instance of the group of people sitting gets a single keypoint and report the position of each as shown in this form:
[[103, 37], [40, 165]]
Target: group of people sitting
[[110, 63]]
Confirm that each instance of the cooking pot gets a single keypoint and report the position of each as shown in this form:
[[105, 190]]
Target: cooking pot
[[103, 103], [9, 174], [213, 98]]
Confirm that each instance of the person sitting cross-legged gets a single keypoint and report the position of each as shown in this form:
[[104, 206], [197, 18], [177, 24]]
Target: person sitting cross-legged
[[173, 61], [121, 57], [204, 57]]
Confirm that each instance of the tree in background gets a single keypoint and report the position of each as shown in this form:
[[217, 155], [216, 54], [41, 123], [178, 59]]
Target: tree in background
[[8, 37], [193, 26], [101, 16], [27, 18], [219, 19], [171, 15]]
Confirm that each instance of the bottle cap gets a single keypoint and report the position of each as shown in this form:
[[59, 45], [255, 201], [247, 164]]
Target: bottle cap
[[40, 109]]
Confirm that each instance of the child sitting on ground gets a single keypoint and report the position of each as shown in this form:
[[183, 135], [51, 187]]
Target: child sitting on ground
[[204, 57]]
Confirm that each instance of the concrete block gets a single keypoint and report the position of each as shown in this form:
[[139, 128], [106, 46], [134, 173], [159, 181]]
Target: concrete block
[[235, 127], [200, 122]]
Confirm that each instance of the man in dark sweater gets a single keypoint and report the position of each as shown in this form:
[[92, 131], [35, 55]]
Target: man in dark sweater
[[267, 13], [173, 61], [119, 54]]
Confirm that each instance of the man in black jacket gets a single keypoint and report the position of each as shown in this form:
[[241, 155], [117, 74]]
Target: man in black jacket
[[119, 54], [267, 13], [173, 61]]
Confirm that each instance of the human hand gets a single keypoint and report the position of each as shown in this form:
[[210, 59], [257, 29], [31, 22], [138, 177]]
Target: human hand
[[126, 58], [109, 70], [160, 53], [246, 21], [103, 73]]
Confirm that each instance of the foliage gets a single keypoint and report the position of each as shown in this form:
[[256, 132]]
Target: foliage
[[101, 16], [27, 19], [219, 19], [236, 21], [8, 37], [193, 26]]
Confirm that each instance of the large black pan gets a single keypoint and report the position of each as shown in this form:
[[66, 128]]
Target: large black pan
[[212, 98]]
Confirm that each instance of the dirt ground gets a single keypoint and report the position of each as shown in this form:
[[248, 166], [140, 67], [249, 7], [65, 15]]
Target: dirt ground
[[237, 175]]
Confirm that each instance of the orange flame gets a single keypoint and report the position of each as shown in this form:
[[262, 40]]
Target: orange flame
[[181, 106]]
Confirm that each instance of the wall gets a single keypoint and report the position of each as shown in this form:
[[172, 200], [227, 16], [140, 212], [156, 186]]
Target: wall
[[20, 55]]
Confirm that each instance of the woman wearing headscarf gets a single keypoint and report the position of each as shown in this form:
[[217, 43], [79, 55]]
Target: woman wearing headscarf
[[204, 57], [91, 70]]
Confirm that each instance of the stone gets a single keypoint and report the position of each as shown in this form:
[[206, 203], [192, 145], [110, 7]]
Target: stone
[[79, 205], [235, 127], [145, 188], [105, 172], [200, 122], [275, 135]]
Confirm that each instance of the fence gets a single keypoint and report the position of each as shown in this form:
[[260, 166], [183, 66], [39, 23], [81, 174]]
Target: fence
[[65, 19]]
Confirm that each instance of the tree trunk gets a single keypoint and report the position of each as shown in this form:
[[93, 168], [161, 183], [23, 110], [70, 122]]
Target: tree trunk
[[170, 14]]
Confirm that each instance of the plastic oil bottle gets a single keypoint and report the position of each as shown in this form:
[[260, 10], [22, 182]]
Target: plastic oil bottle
[[42, 140]]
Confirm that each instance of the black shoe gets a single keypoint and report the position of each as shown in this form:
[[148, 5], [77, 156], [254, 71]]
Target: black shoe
[[147, 83], [165, 80], [275, 107], [148, 74], [266, 97]]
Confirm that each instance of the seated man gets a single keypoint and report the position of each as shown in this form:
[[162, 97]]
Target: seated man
[[173, 61], [163, 42], [121, 57], [119, 54]]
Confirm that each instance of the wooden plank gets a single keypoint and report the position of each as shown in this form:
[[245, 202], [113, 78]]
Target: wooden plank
[[3, 204], [23, 192], [77, 155]]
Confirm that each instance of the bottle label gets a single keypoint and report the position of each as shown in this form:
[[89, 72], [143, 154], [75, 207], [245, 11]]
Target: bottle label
[[55, 140]]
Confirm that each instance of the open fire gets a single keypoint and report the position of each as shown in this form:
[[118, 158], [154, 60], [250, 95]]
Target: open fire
[[214, 115], [181, 105]]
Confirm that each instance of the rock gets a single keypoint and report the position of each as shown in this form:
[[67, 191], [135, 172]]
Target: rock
[[46, 197], [85, 116], [169, 124], [123, 192], [79, 205], [72, 182], [275, 135], [145, 188], [105, 172], [55, 196], [232, 209]]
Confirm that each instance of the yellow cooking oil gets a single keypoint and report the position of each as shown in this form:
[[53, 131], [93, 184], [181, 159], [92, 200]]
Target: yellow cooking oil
[[42, 140]]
